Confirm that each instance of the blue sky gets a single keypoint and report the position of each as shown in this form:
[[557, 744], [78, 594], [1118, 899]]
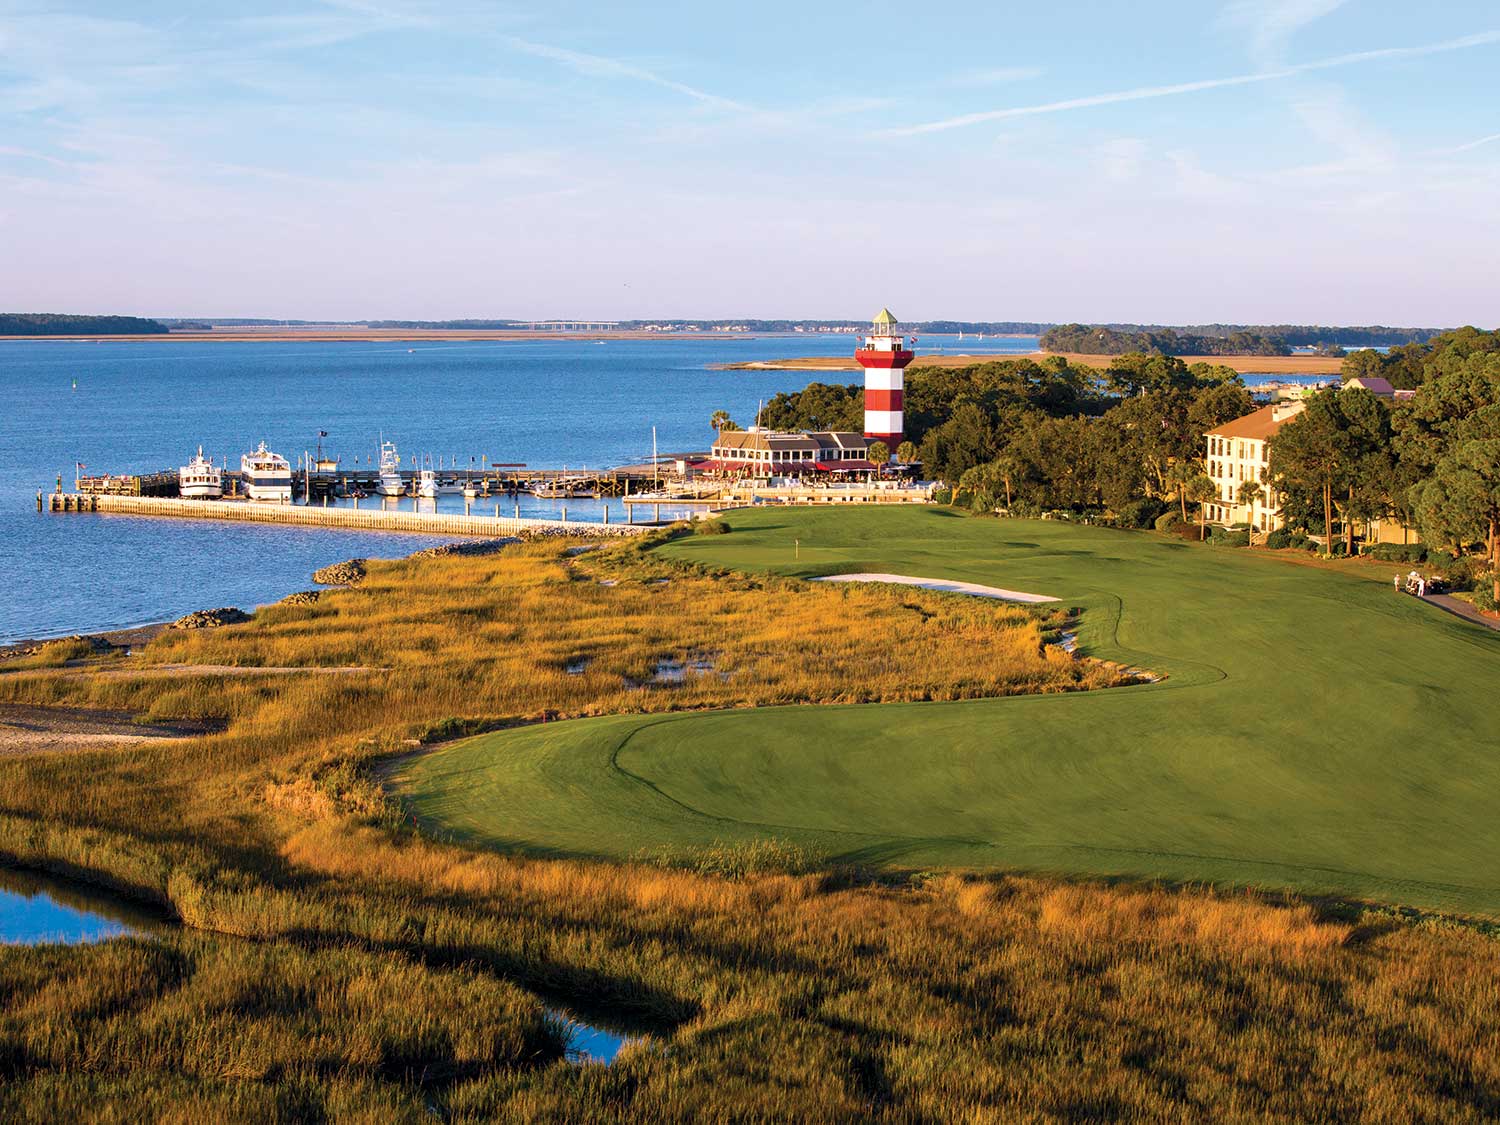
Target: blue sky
[[1238, 160]]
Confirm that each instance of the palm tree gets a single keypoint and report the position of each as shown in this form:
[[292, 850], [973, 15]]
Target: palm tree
[[1200, 490], [1178, 475], [878, 454], [719, 420], [907, 453]]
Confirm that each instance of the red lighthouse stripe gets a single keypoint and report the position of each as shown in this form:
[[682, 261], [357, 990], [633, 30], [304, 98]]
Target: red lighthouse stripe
[[872, 357], [882, 400]]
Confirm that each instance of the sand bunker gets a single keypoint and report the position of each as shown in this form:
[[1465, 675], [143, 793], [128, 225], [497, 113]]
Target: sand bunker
[[943, 584]]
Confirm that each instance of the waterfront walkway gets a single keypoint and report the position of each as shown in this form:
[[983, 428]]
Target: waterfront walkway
[[426, 523]]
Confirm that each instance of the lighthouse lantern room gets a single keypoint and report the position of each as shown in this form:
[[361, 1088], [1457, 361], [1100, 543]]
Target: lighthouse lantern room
[[884, 355]]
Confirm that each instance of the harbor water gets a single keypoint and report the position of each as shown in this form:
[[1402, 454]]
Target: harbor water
[[143, 406]]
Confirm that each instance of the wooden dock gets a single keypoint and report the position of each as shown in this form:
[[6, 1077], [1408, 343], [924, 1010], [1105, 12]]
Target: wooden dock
[[352, 519]]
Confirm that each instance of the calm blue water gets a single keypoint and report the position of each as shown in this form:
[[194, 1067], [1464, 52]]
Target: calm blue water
[[145, 406], [35, 909]]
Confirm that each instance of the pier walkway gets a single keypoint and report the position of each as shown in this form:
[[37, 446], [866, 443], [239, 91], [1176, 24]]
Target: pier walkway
[[427, 523]]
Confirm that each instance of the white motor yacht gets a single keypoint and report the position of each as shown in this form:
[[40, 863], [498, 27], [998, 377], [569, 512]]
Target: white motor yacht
[[267, 476], [200, 479]]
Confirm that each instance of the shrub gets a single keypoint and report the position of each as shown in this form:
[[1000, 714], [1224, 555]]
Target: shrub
[[1338, 549], [711, 527], [1440, 558], [1279, 540], [1140, 513], [1167, 521], [1398, 552], [1484, 596], [1236, 539]]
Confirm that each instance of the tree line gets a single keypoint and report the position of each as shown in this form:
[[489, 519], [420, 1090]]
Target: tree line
[[1431, 461], [69, 324], [1031, 436], [1125, 442], [1101, 340]]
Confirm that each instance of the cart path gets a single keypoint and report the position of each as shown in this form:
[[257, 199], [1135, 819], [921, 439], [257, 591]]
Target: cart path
[[1460, 608], [945, 585]]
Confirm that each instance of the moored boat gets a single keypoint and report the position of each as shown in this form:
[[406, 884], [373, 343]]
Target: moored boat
[[200, 479], [267, 476], [390, 483], [426, 485]]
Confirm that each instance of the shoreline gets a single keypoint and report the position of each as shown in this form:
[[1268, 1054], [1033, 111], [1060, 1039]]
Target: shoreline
[[388, 335], [126, 637], [1244, 364]]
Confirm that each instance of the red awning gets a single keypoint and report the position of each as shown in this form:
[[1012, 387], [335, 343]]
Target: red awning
[[844, 466]]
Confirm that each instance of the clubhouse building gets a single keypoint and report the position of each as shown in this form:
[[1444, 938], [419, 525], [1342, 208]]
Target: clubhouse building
[[763, 453]]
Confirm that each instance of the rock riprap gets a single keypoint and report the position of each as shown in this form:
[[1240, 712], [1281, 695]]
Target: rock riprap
[[212, 618], [351, 572], [473, 547]]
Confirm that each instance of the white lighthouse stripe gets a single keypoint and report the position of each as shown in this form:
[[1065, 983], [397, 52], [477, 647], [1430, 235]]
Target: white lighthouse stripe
[[883, 378], [882, 421]]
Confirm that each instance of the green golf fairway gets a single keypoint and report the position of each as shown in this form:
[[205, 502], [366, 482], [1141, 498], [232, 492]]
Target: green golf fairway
[[1316, 731]]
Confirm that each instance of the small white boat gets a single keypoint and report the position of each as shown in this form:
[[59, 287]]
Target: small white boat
[[390, 483], [200, 479], [470, 492], [267, 476], [449, 488], [426, 485]]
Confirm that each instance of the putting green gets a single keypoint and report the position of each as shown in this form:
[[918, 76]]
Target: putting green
[[1316, 731]]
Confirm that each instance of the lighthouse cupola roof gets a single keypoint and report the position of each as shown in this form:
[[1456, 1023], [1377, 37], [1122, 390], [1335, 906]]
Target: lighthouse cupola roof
[[884, 320]]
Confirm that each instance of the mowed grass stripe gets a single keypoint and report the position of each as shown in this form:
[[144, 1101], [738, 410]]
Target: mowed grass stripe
[[1316, 732]]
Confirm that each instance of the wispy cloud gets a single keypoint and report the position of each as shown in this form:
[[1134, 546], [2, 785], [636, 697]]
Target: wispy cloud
[[29, 154], [1270, 24], [1338, 127], [1472, 145], [601, 66], [1144, 93]]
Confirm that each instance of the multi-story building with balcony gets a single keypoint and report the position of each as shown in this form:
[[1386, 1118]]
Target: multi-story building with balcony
[[1239, 452]]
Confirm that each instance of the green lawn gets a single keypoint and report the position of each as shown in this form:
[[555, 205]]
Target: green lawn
[[1316, 732]]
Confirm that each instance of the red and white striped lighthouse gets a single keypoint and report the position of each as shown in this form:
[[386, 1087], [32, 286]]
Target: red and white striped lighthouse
[[884, 356]]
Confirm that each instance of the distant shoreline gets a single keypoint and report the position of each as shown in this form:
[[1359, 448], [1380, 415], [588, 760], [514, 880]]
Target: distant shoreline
[[1244, 364], [390, 335]]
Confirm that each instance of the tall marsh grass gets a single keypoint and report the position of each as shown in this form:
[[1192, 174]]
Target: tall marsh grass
[[341, 966]]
